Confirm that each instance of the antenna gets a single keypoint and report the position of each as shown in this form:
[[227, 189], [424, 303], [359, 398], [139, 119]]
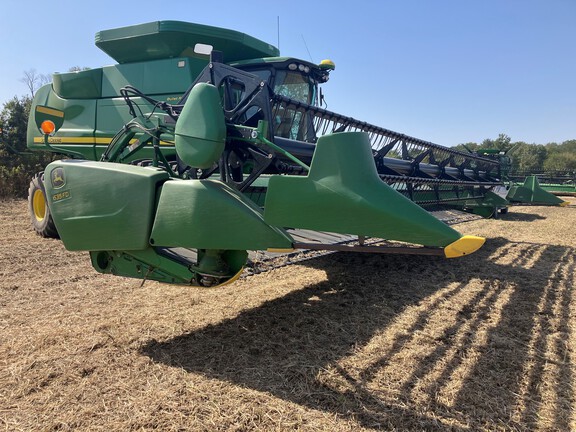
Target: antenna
[[278, 28], [309, 55]]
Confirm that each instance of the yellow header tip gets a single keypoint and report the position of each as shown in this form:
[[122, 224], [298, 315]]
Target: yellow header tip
[[465, 245]]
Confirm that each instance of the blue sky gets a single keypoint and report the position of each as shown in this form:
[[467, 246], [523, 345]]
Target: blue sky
[[447, 71]]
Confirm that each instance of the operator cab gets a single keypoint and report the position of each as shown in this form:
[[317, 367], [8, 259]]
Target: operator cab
[[289, 77], [297, 80]]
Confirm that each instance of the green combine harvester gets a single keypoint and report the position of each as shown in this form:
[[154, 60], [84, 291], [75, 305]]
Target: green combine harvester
[[557, 183], [202, 144], [525, 188]]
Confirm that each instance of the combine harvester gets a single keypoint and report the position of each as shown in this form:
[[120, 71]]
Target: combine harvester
[[202, 144], [531, 192], [556, 183], [522, 189]]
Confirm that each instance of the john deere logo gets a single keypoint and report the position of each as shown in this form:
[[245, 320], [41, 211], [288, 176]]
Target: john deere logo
[[57, 178]]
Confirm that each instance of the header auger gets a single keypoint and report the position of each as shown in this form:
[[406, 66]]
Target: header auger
[[180, 163]]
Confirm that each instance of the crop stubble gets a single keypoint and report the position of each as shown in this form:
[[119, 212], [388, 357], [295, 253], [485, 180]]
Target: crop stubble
[[342, 342]]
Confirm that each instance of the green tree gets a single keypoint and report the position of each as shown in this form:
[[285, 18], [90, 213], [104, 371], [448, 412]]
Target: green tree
[[469, 147], [17, 165], [561, 161], [528, 158], [568, 146], [503, 142], [561, 157], [13, 123]]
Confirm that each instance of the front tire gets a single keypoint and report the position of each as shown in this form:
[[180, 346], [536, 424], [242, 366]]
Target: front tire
[[40, 216]]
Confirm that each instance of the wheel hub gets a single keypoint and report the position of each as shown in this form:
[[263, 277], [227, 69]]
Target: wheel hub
[[39, 205]]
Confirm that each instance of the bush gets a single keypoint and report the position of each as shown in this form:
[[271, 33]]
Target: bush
[[14, 181], [17, 165]]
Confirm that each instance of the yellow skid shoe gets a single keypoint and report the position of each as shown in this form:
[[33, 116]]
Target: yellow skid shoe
[[465, 245]]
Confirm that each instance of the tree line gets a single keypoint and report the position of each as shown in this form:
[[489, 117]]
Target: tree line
[[527, 158]]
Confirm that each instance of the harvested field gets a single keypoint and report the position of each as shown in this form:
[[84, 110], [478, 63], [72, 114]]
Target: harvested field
[[338, 343]]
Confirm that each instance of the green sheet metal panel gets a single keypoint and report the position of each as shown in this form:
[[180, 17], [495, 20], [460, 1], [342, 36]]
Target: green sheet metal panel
[[487, 206], [200, 133], [159, 77], [101, 205], [207, 214], [344, 194], [77, 131], [113, 114], [169, 39], [90, 123], [530, 192], [78, 85], [558, 187]]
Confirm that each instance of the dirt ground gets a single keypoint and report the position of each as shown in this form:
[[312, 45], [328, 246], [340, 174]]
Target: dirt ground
[[344, 342]]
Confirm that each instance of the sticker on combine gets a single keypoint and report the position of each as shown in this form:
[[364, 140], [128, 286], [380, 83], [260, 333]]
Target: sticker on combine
[[61, 196], [57, 178]]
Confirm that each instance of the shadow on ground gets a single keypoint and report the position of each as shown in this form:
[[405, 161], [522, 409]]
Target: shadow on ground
[[511, 216], [285, 345]]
